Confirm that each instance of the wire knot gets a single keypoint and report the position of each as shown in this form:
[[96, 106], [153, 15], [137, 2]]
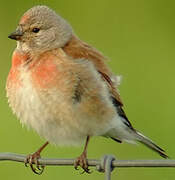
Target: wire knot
[[106, 164]]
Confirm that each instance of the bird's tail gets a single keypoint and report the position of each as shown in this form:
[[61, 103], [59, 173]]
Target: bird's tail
[[147, 142]]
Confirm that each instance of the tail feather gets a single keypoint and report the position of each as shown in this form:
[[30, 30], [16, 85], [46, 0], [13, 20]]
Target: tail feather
[[115, 139], [147, 142]]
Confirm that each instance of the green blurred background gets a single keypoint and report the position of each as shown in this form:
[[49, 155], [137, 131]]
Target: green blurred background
[[139, 38]]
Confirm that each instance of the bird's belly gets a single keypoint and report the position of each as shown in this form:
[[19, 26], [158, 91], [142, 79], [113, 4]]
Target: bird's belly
[[53, 116], [38, 113]]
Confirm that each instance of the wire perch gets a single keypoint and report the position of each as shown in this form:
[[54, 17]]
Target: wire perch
[[106, 164]]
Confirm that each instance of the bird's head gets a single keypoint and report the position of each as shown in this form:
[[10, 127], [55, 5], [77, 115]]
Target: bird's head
[[41, 29]]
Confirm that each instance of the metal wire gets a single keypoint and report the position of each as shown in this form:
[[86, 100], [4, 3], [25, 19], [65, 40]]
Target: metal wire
[[106, 164]]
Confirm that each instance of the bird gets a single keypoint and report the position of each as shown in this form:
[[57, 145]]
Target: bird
[[62, 88]]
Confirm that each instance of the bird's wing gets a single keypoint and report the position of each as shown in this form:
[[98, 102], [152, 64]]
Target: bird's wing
[[78, 50], [111, 87]]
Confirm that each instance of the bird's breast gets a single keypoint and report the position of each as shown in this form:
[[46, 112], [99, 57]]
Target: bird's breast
[[44, 99], [46, 110], [45, 74], [18, 59]]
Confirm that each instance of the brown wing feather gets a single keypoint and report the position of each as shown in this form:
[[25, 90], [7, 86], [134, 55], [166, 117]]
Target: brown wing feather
[[79, 49], [112, 88]]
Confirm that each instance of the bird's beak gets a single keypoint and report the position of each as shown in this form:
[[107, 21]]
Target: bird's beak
[[16, 35]]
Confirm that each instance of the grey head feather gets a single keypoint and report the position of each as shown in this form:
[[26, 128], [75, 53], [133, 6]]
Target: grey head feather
[[55, 31]]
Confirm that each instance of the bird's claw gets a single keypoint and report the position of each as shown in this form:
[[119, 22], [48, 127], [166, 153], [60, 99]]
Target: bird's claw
[[82, 162], [32, 159]]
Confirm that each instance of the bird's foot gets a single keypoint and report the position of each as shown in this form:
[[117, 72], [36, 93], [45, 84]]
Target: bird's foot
[[82, 162], [32, 159]]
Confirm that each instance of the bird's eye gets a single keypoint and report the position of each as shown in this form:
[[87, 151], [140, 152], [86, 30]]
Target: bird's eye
[[35, 30]]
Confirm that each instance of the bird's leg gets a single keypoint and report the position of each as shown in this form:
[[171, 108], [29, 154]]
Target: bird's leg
[[33, 159], [82, 159]]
